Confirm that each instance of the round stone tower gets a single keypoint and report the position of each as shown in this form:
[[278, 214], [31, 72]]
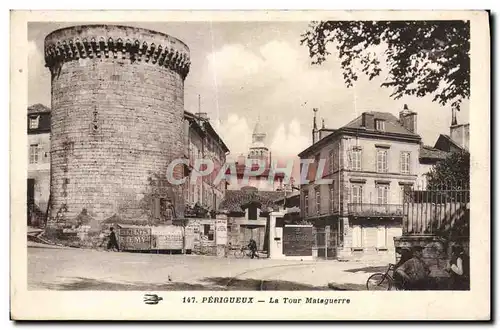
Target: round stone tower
[[117, 121]]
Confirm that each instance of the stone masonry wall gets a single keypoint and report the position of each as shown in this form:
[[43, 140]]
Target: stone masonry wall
[[117, 119]]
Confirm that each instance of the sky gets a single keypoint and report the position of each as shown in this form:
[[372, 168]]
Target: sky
[[243, 71]]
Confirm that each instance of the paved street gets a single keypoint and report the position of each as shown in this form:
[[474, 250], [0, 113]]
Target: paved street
[[57, 268]]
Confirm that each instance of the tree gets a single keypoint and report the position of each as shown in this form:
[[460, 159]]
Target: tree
[[452, 173], [422, 57]]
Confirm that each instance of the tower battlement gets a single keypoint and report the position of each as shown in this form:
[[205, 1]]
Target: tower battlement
[[116, 42]]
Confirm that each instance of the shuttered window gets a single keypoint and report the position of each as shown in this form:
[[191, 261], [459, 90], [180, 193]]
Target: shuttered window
[[405, 162], [382, 161], [318, 201], [332, 198], [33, 153], [306, 204], [357, 194], [382, 194], [381, 237], [331, 158], [355, 160], [357, 237]]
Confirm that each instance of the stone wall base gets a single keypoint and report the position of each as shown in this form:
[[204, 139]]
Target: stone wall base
[[436, 251]]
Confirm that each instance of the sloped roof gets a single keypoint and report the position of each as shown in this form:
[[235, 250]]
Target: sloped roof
[[38, 108], [429, 152], [203, 124], [448, 139], [292, 199], [393, 128], [392, 124], [234, 200]]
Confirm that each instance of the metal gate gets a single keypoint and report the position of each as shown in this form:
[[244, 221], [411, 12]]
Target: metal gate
[[321, 242], [326, 240]]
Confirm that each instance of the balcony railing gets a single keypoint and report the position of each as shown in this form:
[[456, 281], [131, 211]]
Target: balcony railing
[[363, 209]]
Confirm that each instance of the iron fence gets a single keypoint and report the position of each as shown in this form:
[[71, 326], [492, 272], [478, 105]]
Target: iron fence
[[437, 209]]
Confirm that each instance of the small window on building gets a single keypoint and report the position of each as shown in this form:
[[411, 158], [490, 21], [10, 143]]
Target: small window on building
[[382, 161], [318, 200], [380, 125], [405, 162], [355, 160], [332, 197], [33, 154], [34, 122], [331, 158], [306, 203], [383, 194], [357, 194]]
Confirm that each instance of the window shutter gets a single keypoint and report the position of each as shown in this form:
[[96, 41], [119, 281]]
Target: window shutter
[[381, 237], [356, 237], [401, 162]]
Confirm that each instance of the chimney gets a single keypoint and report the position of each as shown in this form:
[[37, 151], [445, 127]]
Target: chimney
[[315, 133], [324, 133], [460, 135], [368, 120], [408, 119]]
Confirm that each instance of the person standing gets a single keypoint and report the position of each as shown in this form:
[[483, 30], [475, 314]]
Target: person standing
[[113, 242], [458, 268], [253, 248]]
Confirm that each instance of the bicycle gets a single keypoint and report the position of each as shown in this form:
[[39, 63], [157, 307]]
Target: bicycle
[[244, 252], [383, 281]]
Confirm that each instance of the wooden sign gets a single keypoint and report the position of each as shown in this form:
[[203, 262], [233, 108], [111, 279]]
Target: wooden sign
[[172, 238], [134, 239], [298, 240]]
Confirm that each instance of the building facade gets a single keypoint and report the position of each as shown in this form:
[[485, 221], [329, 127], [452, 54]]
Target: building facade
[[203, 142], [369, 161], [38, 128]]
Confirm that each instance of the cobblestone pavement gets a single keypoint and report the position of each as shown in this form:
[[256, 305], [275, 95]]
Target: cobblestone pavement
[[56, 268]]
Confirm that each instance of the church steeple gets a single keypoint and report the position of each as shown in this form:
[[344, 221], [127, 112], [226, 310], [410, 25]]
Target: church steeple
[[258, 134], [258, 149]]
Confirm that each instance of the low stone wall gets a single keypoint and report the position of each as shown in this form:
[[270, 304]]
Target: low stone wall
[[436, 251]]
